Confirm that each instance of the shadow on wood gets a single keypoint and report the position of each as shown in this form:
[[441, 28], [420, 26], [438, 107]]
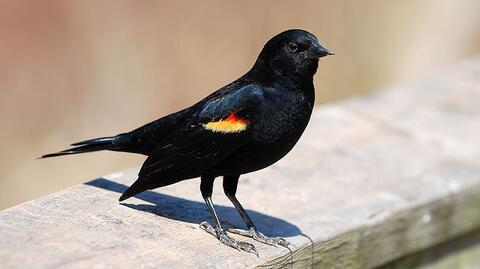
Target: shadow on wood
[[180, 209]]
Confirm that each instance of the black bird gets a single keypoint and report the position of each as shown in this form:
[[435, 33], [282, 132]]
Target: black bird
[[245, 126]]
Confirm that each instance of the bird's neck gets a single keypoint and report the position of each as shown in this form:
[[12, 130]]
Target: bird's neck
[[266, 74]]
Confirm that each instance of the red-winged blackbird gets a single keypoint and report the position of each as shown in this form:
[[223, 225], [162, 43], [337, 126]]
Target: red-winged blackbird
[[245, 126]]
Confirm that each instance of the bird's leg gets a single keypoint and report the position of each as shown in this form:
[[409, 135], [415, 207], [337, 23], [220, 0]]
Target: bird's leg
[[206, 187], [230, 187]]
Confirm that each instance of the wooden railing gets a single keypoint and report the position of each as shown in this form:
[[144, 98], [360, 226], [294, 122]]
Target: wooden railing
[[388, 179]]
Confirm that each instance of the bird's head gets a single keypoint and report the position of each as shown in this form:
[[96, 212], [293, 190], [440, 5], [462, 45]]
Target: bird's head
[[293, 53]]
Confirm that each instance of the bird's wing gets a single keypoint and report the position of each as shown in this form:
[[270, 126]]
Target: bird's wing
[[218, 127], [148, 138]]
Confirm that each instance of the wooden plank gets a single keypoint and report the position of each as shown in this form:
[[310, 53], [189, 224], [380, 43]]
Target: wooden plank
[[461, 253], [374, 178]]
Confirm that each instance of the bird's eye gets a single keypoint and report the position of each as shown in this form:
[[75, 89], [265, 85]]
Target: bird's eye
[[292, 47]]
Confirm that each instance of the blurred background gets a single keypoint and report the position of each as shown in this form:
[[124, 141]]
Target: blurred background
[[73, 70]]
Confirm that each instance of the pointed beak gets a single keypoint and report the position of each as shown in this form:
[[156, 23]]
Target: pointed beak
[[317, 52]]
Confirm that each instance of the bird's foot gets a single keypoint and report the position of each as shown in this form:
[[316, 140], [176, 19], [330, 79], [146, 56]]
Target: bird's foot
[[223, 237], [258, 236]]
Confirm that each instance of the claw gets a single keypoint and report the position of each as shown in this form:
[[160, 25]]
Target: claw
[[247, 247], [223, 237], [258, 236], [208, 228]]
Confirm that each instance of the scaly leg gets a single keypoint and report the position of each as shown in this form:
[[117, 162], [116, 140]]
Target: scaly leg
[[230, 184], [206, 187]]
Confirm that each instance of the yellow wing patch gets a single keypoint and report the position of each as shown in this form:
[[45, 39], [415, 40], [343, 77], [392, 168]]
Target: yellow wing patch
[[232, 124]]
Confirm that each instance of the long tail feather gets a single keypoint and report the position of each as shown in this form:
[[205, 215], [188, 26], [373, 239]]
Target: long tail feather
[[102, 143]]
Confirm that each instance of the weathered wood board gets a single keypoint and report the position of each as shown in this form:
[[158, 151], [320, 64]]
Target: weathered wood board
[[373, 179]]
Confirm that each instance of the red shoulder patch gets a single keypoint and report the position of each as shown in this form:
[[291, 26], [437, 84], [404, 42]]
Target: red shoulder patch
[[231, 124]]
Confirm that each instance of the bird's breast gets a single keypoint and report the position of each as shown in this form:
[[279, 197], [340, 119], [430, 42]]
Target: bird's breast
[[281, 120], [275, 130]]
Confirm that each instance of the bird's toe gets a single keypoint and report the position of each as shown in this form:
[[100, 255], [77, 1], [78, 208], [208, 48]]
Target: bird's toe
[[245, 246], [223, 237], [260, 237], [208, 228]]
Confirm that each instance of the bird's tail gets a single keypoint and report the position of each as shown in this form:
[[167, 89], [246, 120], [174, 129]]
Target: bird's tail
[[96, 144]]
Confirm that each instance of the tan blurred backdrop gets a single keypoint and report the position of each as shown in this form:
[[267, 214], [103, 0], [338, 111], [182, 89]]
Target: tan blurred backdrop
[[72, 70]]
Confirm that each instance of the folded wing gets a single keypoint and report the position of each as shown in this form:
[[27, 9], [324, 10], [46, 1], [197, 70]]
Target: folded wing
[[215, 130]]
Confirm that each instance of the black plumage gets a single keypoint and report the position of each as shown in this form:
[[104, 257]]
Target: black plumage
[[245, 126]]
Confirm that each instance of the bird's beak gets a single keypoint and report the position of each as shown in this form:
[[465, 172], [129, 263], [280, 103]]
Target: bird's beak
[[317, 52]]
